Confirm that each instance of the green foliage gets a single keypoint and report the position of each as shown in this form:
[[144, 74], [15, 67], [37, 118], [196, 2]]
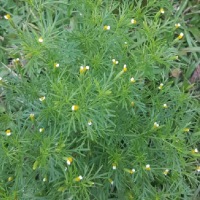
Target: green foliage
[[122, 112]]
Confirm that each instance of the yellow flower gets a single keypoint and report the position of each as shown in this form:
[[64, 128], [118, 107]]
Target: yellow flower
[[160, 86], [166, 172], [7, 16], [42, 98], [40, 39], [74, 107], [180, 36], [56, 64], [86, 68], [115, 62], [81, 69], [132, 80], [177, 25], [8, 133], [148, 167], [133, 21], [156, 125], [90, 122], [111, 181], [79, 178], [41, 130], [125, 68], [132, 103], [16, 60], [69, 160], [195, 150], [106, 27], [10, 179], [187, 129], [165, 105], [44, 179], [130, 196], [198, 168], [31, 116], [114, 166], [162, 11], [132, 171], [125, 44]]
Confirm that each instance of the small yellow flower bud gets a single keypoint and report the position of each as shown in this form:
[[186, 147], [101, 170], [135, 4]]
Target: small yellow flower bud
[[166, 172], [160, 86], [114, 166], [111, 181], [42, 98], [133, 21], [90, 122], [115, 62], [40, 39], [8, 133], [132, 171], [177, 25], [74, 107], [79, 178], [56, 64], [10, 179], [31, 116], [194, 151], [132, 80], [81, 69], [69, 160], [16, 60], [7, 16], [44, 179], [106, 27], [125, 68], [156, 125], [180, 36], [162, 11], [148, 167], [41, 130]]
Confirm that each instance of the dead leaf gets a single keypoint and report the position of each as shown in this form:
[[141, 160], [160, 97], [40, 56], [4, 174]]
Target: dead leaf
[[175, 73]]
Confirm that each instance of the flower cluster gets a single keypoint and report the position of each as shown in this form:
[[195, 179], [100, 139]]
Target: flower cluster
[[82, 69]]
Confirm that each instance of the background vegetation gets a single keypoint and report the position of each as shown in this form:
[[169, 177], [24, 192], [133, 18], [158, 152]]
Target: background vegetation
[[34, 162]]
